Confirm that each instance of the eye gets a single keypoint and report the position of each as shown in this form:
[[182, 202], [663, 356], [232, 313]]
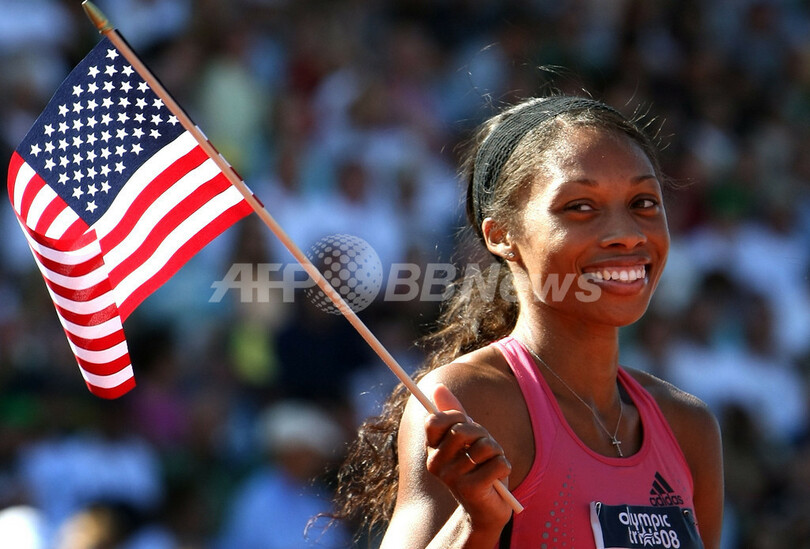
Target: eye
[[646, 203], [580, 207]]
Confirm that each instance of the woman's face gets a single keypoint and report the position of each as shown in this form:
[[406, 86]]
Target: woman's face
[[593, 237]]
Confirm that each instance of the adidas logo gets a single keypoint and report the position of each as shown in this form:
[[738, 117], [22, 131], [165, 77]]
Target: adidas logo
[[662, 493]]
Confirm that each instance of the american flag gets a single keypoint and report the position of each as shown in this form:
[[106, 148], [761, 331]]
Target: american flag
[[113, 196]]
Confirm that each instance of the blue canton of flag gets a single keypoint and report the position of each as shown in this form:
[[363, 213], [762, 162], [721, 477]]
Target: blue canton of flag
[[101, 126]]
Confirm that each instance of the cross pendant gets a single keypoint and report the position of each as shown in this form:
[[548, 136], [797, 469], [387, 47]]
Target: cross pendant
[[618, 444]]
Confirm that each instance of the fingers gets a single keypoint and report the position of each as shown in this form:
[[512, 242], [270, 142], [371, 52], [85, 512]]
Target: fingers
[[452, 432], [467, 460], [482, 450], [456, 443], [451, 416], [445, 400]]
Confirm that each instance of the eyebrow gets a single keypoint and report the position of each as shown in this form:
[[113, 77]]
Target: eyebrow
[[592, 183]]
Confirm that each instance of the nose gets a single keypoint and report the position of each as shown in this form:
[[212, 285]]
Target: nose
[[622, 229]]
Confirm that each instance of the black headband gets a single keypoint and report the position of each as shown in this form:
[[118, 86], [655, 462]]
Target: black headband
[[502, 141]]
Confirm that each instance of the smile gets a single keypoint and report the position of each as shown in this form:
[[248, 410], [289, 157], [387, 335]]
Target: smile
[[620, 274]]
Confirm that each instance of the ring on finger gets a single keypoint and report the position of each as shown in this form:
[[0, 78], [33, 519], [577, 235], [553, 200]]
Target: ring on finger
[[467, 453]]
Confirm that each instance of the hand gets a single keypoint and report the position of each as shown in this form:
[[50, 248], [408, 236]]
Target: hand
[[463, 455]]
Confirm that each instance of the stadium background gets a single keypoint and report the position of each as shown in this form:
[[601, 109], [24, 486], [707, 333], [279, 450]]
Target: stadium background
[[345, 116]]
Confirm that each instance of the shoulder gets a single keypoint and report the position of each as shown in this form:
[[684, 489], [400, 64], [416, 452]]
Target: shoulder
[[479, 379], [693, 423], [685, 413], [485, 385], [679, 407]]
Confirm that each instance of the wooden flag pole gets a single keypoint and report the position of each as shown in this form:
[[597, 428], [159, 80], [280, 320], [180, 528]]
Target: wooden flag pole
[[104, 27]]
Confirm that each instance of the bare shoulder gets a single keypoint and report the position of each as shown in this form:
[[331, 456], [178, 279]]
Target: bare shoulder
[[491, 396], [693, 423], [482, 381], [679, 407]]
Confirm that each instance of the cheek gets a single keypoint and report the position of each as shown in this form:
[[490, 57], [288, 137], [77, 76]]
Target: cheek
[[658, 234], [550, 261], [663, 253]]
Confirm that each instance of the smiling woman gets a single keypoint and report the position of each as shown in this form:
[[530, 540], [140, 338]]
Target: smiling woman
[[559, 187]]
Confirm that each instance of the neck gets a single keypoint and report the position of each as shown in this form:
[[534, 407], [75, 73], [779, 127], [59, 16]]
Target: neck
[[585, 356]]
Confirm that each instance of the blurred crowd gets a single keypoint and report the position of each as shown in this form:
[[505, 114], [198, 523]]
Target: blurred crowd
[[347, 116]]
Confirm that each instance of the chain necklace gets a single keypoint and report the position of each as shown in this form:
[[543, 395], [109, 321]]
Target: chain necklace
[[613, 440]]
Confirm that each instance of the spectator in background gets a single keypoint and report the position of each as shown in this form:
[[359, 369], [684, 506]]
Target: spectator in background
[[149, 23], [302, 346], [274, 506], [740, 366], [111, 525], [65, 472]]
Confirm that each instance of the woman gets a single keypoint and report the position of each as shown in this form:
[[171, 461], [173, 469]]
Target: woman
[[559, 189]]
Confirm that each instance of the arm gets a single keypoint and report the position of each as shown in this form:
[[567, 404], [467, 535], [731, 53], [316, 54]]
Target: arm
[[444, 500]]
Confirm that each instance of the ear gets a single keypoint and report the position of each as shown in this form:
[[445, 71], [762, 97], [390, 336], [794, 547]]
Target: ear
[[498, 239]]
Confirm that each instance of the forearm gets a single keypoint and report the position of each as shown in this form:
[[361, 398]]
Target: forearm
[[460, 533], [412, 528]]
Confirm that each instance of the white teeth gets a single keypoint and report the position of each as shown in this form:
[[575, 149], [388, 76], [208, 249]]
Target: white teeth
[[623, 275]]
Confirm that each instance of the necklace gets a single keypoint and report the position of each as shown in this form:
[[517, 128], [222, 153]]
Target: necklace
[[613, 440]]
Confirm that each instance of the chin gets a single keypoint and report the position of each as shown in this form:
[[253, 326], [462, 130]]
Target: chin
[[615, 315]]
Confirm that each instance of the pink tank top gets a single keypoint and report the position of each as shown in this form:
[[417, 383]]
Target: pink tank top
[[569, 483]]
